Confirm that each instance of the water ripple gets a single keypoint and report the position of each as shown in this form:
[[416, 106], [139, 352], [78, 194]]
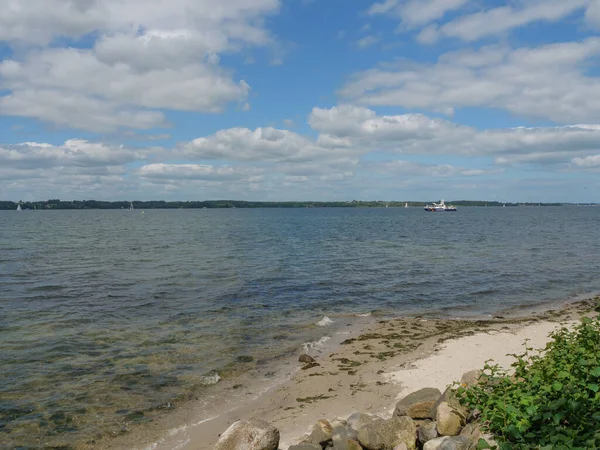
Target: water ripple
[[106, 317]]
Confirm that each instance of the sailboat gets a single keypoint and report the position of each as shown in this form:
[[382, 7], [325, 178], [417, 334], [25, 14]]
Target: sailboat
[[130, 206], [19, 207], [406, 205]]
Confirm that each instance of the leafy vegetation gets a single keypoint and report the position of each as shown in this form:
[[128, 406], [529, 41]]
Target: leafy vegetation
[[551, 401]]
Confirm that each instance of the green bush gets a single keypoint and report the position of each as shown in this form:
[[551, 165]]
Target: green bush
[[552, 401]]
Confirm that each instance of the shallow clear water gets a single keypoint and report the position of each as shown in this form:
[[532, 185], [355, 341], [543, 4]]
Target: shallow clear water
[[109, 317]]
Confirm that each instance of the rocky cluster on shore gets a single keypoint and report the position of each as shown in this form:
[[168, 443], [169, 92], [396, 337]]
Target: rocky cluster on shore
[[426, 419]]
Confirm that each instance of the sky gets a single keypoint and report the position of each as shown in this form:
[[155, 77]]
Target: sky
[[278, 100]]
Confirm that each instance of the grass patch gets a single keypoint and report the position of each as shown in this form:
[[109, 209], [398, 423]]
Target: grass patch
[[553, 399]]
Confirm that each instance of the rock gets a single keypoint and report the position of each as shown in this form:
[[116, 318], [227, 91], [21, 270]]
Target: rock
[[253, 434], [427, 432], [491, 441], [401, 447], [449, 396], [306, 447], [347, 444], [306, 359], [343, 433], [473, 415], [448, 443], [337, 422], [418, 405], [472, 432], [321, 433], [450, 420], [385, 434], [344, 437], [470, 378], [357, 420], [310, 365], [421, 422]]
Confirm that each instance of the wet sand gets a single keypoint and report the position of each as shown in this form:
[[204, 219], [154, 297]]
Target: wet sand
[[369, 372]]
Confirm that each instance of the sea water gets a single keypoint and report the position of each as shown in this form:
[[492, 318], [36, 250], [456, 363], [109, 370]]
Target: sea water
[[110, 319]]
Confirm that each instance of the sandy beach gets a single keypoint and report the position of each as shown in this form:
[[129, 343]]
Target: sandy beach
[[372, 370]]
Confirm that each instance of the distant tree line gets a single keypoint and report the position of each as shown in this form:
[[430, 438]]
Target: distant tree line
[[161, 204]]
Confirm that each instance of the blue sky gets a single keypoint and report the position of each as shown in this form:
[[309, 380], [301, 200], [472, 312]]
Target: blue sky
[[300, 99]]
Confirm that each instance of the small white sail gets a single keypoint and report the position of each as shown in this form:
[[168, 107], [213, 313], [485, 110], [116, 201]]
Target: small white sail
[[130, 206], [19, 207]]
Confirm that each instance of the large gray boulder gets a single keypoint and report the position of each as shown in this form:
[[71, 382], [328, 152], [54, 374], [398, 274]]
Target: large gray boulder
[[321, 433], [448, 443], [253, 434], [357, 420], [347, 444], [427, 432], [450, 420], [387, 434], [306, 446], [344, 438], [419, 404], [471, 378], [449, 396], [472, 431]]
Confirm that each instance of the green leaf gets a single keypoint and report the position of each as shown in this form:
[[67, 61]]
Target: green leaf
[[593, 387], [557, 386], [482, 444], [595, 372]]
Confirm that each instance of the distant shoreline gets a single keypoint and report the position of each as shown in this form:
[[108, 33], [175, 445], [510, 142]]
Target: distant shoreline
[[223, 204]]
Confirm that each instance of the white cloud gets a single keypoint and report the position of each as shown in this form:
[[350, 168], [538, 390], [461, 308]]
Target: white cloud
[[498, 20], [414, 13], [427, 14], [198, 172], [547, 82], [78, 111], [412, 169], [348, 133], [351, 121], [295, 179], [588, 161], [42, 21], [415, 134], [592, 14], [74, 152], [195, 87], [367, 41], [355, 154], [148, 55], [261, 144]]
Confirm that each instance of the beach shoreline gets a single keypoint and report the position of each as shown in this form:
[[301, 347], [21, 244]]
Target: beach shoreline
[[368, 372]]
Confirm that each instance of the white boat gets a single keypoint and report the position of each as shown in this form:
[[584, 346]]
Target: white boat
[[438, 207], [130, 206], [406, 205], [19, 207]]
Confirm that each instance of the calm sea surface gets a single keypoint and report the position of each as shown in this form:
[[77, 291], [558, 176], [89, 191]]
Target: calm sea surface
[[109, 317]]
